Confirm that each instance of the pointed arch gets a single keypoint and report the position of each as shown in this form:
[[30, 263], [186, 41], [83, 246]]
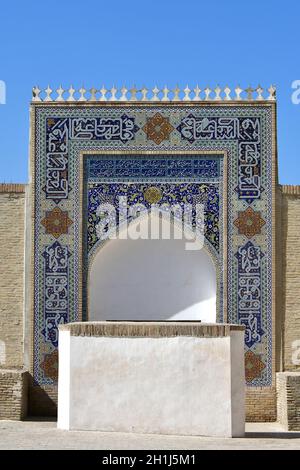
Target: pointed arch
[[146, 279]]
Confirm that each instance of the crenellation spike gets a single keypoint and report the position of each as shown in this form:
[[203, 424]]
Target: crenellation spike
[[134, 94], [238, 90], [197, 92], [103, 92], [207, 92], [217, 91], [227, 92], [259, 91], [249, 92], [133, 91], [187, 94], [272, 93], [48, 96], [155, 92], [82, 92], [176, 92], [165, 94], [60, 92], [71, 92], [113, 93], [93, 92], [144, 92], [36, 94], [123, 96]]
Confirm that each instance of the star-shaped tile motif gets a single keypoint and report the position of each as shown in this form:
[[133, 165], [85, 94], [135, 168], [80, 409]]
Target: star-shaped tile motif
[[158, 128], [249, 222], [56, 222], [253, 366], [50, 365]]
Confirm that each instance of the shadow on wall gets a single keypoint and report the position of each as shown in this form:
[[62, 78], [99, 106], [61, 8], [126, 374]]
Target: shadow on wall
[[151, 280], [42, 401]]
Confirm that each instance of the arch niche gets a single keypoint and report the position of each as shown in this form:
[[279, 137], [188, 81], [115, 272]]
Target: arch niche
[[151, 279]]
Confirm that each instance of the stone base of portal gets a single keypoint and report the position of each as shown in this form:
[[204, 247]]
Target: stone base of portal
[[288, 400], [183, 378], [13, 393]]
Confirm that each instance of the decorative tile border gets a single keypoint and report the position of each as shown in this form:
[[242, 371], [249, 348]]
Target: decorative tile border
[[63, 134]]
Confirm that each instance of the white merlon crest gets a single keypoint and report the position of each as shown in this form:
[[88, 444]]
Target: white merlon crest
[[153, 95]]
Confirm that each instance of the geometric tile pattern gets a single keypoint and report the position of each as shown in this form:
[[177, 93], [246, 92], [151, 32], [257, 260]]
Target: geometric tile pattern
[[50, 365], [160, 194], [253, 366], [249, 222], [153, 195], [64, 133], [56, 222], [158, 128]]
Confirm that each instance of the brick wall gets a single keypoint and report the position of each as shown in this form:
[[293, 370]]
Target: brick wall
[[13, 394], [12, 206], [260, 405], [291, 277], [288, 400]]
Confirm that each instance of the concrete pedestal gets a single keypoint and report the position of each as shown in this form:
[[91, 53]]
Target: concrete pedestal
[[183, 378]]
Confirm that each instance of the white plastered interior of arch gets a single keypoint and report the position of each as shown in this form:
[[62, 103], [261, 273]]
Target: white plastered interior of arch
[[151, 279]]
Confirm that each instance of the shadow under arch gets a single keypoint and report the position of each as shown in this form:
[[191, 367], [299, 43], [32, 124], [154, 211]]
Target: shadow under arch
[[146, 279]]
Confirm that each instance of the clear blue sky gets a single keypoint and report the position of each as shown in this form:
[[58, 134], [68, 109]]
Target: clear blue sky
[[154, 42]]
